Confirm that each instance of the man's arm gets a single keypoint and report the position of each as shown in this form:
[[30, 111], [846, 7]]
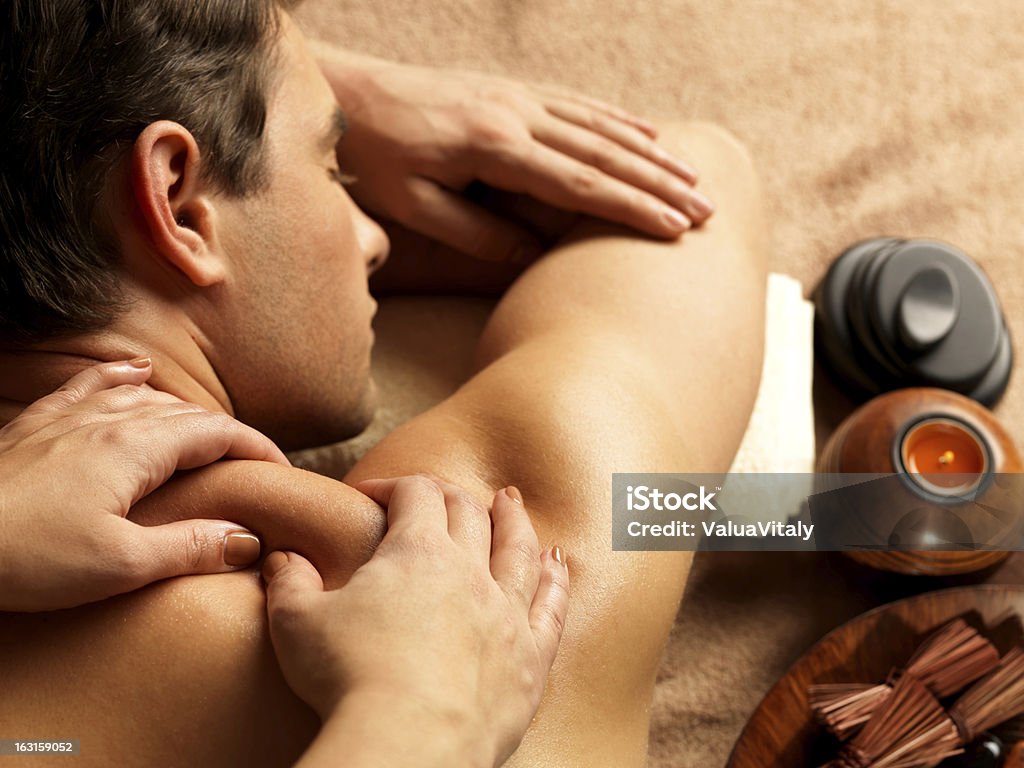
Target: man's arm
[[609, 355]]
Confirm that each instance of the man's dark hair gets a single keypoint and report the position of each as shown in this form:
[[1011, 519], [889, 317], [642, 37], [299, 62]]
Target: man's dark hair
[[79, 81]]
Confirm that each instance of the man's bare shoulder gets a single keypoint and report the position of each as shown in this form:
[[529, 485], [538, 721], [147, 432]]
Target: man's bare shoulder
[[180, 673]]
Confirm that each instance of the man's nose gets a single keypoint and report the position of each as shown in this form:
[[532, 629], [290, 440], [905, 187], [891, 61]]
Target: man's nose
[[373, 242]]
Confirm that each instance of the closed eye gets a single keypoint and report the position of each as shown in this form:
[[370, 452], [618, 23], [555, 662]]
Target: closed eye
[[342, 178]]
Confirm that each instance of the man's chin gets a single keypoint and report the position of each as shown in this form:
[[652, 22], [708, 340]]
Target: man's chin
[[328, 426]]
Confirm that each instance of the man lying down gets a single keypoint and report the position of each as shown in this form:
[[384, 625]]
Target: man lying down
[[170, 189]]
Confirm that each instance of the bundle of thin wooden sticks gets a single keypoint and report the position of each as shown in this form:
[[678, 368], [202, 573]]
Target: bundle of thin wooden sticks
[[948, 661], [993, 700], [909, 728]]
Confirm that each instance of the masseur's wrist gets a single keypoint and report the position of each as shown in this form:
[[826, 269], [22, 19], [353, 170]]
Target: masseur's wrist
[[349, 74], [374, 728]]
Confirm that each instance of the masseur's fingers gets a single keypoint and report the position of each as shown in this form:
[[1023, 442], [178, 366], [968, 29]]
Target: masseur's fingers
[[122, 400], [551, 604], [92, 380], [456, 222], [564, 182], [428, 624], [182, 548], [109, 407], [468, 521], [625, 165], [300, 615], [624, 135], [634, 121], [203, 437], [515, 552], [415, 505], [182, 441], [71, 544], [292, 584]]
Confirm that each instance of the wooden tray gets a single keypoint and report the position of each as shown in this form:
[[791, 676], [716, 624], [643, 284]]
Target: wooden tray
[[781, 732]]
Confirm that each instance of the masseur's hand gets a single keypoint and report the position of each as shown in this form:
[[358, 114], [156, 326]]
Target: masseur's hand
[[437, 650], [419, 136], [74, 462]]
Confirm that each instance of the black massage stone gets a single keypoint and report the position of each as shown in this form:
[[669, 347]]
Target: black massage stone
[[902, 313]]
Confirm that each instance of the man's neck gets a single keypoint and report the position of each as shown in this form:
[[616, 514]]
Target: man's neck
[[180, 367]]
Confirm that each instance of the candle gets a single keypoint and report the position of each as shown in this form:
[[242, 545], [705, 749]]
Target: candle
[[875, 439], [945, 456]]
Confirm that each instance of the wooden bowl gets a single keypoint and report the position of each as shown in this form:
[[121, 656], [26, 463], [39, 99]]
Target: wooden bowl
[[782, 731], [864, 443]]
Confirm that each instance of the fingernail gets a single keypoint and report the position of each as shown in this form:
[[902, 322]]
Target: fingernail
[[685, 170], [702, 204], [241, 548], [675, 219], [558, 554], [273, 563], [513, 493], [141, 362]]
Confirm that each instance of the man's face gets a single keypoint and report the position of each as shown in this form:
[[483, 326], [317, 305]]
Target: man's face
[[291, 338]]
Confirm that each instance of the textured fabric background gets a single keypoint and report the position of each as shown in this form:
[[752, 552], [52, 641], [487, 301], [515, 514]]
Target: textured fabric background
[[865, 117]]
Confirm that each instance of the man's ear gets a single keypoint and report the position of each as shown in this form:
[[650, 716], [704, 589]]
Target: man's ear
[[174, 202]]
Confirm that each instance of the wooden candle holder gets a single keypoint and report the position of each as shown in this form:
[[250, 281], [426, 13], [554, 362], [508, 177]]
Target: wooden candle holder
[[864, 442]]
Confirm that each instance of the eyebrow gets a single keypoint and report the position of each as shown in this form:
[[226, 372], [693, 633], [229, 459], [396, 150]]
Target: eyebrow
[[337, 126]]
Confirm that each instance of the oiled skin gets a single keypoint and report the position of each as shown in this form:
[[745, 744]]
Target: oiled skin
[[613, 353]]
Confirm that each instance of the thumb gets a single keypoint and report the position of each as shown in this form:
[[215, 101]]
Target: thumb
[[192, 547], [291, 580]]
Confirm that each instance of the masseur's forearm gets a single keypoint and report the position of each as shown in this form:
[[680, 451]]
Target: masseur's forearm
[[374, 730], [347, 71]]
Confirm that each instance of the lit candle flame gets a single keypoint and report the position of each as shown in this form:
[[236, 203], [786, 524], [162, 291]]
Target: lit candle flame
[[947, 457]]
